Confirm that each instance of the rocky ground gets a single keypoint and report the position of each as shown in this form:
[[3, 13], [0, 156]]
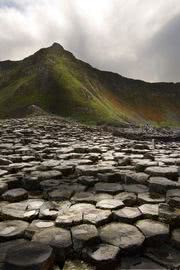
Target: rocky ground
[[73, 197]]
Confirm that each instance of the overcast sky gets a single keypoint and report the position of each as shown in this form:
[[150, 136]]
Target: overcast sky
[[136, 38]]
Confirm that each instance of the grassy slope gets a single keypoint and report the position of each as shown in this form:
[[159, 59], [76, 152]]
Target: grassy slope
[[54, 80]]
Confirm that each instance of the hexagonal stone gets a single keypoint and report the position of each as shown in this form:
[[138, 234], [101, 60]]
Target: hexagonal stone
[[3, 172], [12, 229], [15, 195], [138, 262], [69, 218], [49, 210], [59, 239], [110, 204], [169, 172], [3, 188], [60, 195], [173, 197], [77, 265], [153, 230], [29, 256], [148, 197], [165, 255], [161, 184], [50, 184], [141, 165], [128, 198], [97, 217], [103, 196], [122, 235], [139, 178], [102, 254], [175, 238], [127, 214], [136, 188], [45, 175], [89, 181], [7, 245], [169, 214], [149, 210], [83, 234], [37, 226], [82, 207], [111, 188], [18, 210], [84, 197]]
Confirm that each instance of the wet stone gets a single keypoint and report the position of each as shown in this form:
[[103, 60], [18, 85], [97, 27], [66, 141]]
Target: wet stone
[[175, 238], [83, 234], [127, 214], [102, 254], [15, 195], [165, 255], [29, 256], [139, 262], [122, 235], [59, 239]]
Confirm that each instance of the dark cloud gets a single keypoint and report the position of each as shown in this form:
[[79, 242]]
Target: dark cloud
[[138, 39]]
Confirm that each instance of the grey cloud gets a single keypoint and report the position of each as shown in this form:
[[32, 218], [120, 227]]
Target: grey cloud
[[138, 39]]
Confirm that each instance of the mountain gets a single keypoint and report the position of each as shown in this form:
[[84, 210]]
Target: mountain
[[54, 80]]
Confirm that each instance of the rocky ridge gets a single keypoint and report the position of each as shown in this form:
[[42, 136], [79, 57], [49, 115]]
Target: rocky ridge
[[77, 197]]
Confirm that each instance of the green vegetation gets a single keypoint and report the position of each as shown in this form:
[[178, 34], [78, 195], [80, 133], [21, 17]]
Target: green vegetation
[[56, 81]]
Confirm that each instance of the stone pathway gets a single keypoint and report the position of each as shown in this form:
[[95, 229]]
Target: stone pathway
[[78, 198]]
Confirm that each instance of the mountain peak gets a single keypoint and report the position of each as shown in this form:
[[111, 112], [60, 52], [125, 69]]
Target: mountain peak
[[56, 46]]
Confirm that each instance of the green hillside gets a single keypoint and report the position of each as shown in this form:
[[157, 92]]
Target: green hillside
[[56, 81]]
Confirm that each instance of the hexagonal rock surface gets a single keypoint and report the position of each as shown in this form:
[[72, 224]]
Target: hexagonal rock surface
[[127, 214], [153, 230], [77, 265], [161, 184], [165, 255], [37, 226], [175, 238], [169, 172], [111, 188], [102, 254], [138, 262], [3, 188], [122, 235], [82, 207], [83, 234], [7, 245], [69, 218], [15, 195], [59, 239], [97, 217], [139, 178], [29, 256], [149, 210], [148, 197], [110, 204], [173, 197], [12, 229], [18, 211], [84, 197], [169, 214], [128, 198]]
